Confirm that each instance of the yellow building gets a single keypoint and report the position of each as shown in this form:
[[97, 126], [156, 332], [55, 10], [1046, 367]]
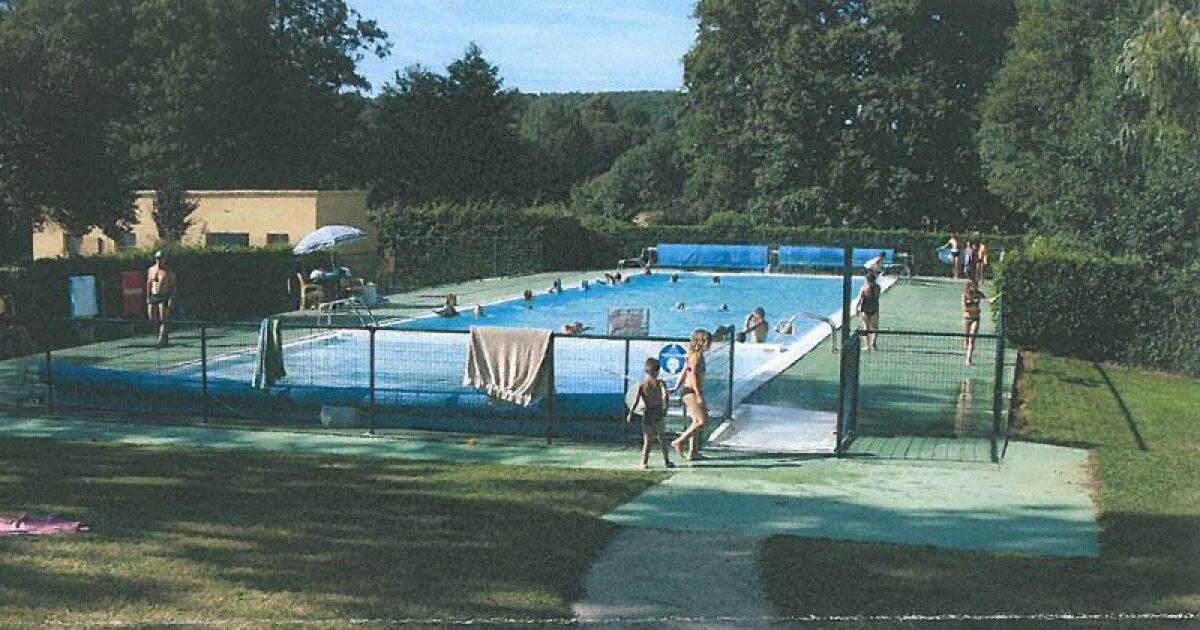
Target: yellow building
[[232, 217]]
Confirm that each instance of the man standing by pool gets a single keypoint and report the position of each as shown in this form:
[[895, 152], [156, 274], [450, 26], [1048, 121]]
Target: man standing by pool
[[160, 295]]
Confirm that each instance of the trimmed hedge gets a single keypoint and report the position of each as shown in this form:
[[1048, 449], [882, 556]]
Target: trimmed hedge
[[1070, 301], [215, 283], [448, 242]]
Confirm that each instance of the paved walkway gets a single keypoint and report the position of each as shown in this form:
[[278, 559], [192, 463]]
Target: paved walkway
[[659, 579]]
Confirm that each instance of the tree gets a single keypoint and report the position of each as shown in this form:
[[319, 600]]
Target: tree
[[172, 209], [831, 113], [216, 94], [647, 178], [1037, 94], [56, 159], [1093, 124], [247, 94], [449, 137], [561, 149]]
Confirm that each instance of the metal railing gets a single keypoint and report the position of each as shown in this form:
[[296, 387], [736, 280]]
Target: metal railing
[[919, 384], [375, 377]]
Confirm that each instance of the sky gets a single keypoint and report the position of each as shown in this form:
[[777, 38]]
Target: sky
[[540, 45]]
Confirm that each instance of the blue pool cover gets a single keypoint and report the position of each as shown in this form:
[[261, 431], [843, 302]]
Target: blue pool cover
[[691, 256]]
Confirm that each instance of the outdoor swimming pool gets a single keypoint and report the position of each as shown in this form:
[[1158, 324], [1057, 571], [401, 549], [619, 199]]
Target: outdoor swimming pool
[[409, 372]]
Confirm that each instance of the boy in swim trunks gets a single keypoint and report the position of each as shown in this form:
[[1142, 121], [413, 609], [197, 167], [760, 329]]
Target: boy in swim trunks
[[652, 393]]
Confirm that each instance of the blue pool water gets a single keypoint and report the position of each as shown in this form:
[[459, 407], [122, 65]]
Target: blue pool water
[[780, 296]]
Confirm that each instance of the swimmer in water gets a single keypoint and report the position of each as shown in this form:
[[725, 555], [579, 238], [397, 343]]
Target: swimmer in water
[[584, 286], [528, 296], [674, 278], [477, 311], [574, 328], [716, 279], [724, 307], [679, 306]]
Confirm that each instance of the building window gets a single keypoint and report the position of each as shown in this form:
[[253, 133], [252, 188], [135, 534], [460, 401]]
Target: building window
[[71, 244], [127, 241], [228, 239], [277, 239], [100, 245]]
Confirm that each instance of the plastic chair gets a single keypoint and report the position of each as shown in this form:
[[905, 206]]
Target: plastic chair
[[310, 288]]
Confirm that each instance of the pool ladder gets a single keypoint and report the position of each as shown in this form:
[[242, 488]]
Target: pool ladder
[[356, 306], [787, 328]]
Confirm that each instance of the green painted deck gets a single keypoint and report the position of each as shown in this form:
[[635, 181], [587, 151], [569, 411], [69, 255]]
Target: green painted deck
[[904, 388]]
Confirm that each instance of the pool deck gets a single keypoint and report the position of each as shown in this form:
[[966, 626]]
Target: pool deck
[[924, 304], [1037, 502]]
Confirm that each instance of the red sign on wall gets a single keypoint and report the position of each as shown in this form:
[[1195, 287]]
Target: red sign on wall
[[133, 293]]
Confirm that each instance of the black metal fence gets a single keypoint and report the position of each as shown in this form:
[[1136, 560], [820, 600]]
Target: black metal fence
[[916, 395], [337, 377]]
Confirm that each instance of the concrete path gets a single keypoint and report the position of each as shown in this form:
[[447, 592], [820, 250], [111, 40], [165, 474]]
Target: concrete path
[[660, 579]]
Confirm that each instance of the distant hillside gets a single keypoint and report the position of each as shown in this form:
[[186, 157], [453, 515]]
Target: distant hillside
[[652, 109]]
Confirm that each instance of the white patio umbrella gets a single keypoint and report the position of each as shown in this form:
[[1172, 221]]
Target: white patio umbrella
[[328, 237]]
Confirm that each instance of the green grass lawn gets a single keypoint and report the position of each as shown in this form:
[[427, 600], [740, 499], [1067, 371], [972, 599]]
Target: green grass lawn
[[1149, 503], [210, 535]]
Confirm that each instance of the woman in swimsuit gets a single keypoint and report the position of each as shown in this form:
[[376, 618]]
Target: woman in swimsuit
[[971, 298], [867, 307], [691, 384]]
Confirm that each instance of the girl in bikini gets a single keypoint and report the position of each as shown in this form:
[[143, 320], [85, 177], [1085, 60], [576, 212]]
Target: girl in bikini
[[691, 384], [971, 299]]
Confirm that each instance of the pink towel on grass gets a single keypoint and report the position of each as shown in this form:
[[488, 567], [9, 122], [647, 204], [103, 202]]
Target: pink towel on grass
[[32, 524]]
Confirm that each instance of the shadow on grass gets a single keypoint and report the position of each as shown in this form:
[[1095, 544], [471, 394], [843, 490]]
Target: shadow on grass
[[1133, 427], [1140, 571], [176, 530]]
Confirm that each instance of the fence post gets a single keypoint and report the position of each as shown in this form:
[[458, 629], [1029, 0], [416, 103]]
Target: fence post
[[998, 387], [847, 285], [553, 393], [625, 395], [204, 371], [841, 408], [371, 379], [729, 381], [852, 375], [49, 380]]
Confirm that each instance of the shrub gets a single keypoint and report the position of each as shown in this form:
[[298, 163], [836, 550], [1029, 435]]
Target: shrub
[[453, 242], [215, 283], [1070, 300]]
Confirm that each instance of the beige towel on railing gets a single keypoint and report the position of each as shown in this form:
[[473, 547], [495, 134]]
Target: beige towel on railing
[[511, 364]]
